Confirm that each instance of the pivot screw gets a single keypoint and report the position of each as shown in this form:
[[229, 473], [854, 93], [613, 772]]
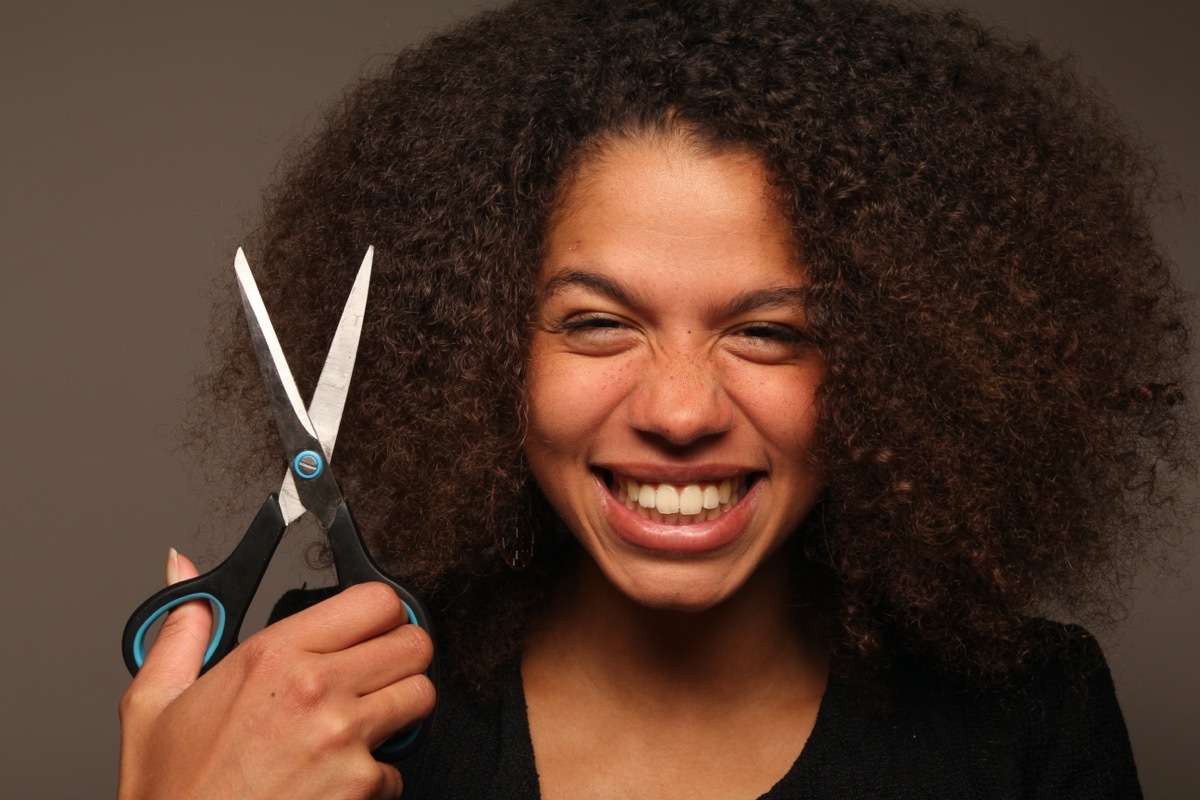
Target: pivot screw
[[308, 465]]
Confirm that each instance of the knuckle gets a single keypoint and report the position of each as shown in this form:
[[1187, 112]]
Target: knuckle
[[306, 688], [381, 599], [259, 655], [366, 779], [421, 696], [337, 731], [415, 646], [132, 703], [183, 626], [142, 699]]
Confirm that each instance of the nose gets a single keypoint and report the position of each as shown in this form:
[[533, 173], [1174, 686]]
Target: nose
[[680, 398]]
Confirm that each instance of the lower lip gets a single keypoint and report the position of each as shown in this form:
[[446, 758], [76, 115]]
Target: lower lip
[[698, 537]]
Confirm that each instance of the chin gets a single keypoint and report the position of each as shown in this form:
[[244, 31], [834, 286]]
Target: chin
[[685, 587]]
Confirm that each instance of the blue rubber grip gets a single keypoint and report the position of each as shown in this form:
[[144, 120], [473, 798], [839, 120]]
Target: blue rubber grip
[[394, 745], [139, 641]]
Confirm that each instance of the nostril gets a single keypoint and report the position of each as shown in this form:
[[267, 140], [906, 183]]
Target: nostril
[[682, 415]]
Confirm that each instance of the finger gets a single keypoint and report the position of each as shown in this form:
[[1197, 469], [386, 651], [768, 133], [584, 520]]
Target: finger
[[396, 707], [179, 567], [389, 657], [175, 658], [355, 615], [390, 783]]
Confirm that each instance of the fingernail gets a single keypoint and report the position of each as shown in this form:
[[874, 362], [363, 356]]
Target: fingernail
[[172, 566]]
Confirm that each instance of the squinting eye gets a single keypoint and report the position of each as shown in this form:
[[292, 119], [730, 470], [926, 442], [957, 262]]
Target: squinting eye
[[589, 323], [595, 334], [769, 342], [779, 333]]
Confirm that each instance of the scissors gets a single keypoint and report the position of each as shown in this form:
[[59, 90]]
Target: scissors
[[308, 437]]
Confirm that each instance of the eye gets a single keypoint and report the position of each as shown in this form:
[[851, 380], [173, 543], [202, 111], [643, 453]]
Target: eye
[[589, 322], [769, 342], [773, 331], [595, 333]]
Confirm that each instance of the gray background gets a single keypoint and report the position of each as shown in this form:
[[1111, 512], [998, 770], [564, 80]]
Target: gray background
[[134, 139]]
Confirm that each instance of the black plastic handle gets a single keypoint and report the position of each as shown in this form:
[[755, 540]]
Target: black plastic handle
[[230, 587], [354, 565]]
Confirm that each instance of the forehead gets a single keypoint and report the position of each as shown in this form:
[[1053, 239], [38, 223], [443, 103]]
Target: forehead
[[663, 201], [660, 164]]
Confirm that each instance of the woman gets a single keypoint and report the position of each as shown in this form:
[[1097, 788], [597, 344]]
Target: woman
[[740, 382]]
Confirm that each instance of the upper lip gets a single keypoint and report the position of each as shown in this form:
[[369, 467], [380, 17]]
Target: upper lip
[[649, 472]]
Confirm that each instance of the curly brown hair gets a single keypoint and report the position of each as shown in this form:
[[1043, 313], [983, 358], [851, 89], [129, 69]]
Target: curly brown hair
[[1005, 343]]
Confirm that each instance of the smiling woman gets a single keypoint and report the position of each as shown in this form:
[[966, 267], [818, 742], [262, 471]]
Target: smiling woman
[[743, 381], [672, 426], [664, 368]]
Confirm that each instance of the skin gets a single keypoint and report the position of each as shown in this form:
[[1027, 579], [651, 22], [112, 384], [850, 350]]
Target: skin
[[294, 711], [670, 347]]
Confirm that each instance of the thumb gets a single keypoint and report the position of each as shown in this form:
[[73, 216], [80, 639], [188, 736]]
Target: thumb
[[175, 658]]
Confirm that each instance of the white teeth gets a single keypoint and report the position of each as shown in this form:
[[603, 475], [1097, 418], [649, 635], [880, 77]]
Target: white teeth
[[679, 505], [667, 499], [691, 500]]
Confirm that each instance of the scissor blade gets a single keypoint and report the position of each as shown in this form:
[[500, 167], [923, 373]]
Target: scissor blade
[[329, 398], [281, 386], [290, 504]]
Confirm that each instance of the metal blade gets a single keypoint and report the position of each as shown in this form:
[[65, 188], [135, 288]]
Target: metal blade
[[329, 398], [277, 377], [273, 364], [298, 430], [290, 504]]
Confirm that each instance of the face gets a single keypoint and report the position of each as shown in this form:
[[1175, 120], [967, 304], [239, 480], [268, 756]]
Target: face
[[672, 387]]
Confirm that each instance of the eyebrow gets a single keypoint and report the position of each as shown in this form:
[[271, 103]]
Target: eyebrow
[[795, 297], [772, 297], [590, 281]]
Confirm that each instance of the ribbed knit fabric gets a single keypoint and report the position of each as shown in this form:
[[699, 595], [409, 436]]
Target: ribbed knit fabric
[[1053, 732]]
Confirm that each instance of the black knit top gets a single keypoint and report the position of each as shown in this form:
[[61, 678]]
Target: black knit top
[[1054, 731]]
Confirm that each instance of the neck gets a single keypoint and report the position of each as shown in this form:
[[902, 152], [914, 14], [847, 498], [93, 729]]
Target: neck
[[668, 658]]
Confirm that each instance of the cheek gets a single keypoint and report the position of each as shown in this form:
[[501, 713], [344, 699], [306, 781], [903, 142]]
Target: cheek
[[571, 402], [781, 405], [570, 399]]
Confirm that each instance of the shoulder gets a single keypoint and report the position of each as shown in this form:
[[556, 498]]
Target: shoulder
[[1052, 729], [1063, 707]]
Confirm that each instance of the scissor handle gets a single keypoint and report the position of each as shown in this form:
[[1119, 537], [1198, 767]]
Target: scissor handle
[[229, 587], [354, 565]]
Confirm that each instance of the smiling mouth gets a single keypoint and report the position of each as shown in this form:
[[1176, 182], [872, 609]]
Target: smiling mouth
[[677, 504]]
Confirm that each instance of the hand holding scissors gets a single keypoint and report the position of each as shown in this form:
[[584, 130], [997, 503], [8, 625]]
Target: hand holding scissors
[[308, 437]]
